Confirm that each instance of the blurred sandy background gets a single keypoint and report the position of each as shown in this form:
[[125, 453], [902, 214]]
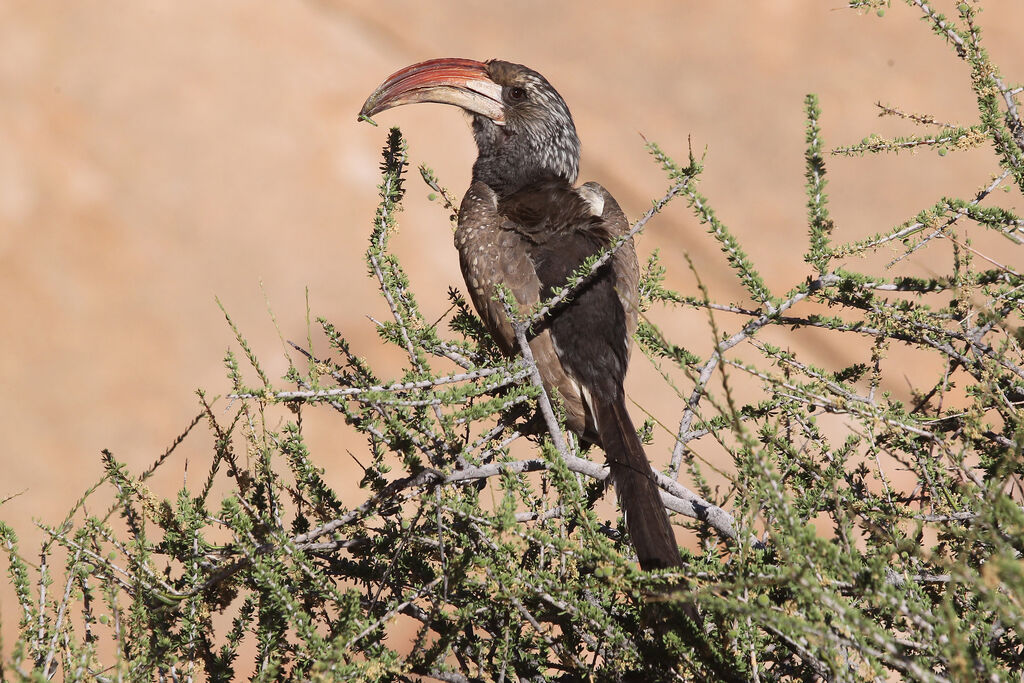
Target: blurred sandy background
[[156, 154]]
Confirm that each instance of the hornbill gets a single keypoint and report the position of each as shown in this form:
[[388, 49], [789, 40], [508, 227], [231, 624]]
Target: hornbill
[[525, 225]]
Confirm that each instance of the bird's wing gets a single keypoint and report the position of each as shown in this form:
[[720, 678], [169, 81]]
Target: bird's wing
[[493, 251], [560, 231], [627, 271], [591, 334]]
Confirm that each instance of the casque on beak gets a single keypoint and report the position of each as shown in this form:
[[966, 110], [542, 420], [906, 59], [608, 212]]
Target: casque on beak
[[461, 82]]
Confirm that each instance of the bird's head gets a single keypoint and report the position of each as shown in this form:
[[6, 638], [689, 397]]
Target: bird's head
[[522, 126]]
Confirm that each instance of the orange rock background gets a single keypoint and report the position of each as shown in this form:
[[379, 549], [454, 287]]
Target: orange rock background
[[154, 155]]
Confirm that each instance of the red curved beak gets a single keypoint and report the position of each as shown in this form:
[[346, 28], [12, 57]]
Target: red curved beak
[[461, 82]]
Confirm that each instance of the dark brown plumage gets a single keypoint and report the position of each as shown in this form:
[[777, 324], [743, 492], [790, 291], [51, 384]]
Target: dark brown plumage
[[523, 224]]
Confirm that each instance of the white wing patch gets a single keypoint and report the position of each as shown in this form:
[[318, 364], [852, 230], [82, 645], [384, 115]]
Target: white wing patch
[[592, 197]]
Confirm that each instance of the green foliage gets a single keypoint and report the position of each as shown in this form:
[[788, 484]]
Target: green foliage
[[869, 537]]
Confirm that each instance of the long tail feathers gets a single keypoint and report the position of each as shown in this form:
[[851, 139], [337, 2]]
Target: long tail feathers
[[647, 520], [634, 482]]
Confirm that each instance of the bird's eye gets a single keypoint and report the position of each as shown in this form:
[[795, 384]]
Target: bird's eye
[[516, 94]]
